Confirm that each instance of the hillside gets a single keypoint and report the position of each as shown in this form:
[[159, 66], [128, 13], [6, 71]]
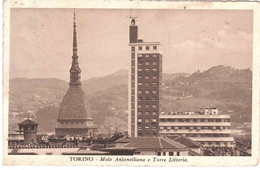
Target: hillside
[[226, 88]]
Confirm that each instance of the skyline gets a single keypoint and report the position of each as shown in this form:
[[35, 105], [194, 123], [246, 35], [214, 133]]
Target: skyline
[[224, 40]]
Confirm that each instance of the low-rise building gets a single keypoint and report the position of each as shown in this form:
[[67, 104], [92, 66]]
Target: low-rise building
[[160, 146], [207, 127]]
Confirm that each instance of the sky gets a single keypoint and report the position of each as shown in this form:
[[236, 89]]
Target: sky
[[41, 40]]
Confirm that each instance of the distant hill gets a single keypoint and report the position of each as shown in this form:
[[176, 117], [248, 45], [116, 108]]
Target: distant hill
[[102, 83], [224, 87]]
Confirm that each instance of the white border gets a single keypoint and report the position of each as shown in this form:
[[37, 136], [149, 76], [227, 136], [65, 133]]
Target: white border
[[112, 4]]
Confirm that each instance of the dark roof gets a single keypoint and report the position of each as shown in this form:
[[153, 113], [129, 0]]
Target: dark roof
[[74, 104], [154, 143], [185, 141], [123, 140], [119, 149], [28, 122]]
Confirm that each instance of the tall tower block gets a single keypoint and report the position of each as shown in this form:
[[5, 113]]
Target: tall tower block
[[145, 85]]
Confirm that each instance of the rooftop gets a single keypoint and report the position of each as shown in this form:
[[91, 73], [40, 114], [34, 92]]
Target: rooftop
[[27, 122], [151, 143], [185, 141]]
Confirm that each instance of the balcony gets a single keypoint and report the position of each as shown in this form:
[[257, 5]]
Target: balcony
[[210, 139], [194, 131], [195, 116], [194, 123]]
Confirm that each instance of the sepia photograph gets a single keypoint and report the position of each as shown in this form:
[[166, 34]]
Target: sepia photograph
[[130, 85]]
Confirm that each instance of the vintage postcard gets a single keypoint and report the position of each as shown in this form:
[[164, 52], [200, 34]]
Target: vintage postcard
[[131, 83]]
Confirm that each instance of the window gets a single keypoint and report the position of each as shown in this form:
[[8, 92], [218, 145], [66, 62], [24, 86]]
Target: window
[[139, 134], [139, 113], [147, 106], [202, 120], [154, 91], [147, 63], [139, 55], [154, 99], [155, 47], [147, 56], [147, 48], [147, 121], [147, 99], [147, 127], [154, 55], [154, 69], [154, 120], [140, 120], [139, 76], [147, 69], [140, 128], [158, 153], [133, 49], [164, 153], [178, 153], [139, 69], [139, 98], [140, 48], [154, 63], [147, 77], [154, 106], [146, 113], [154, 113], [154, 84], [154, 77], [147, 84], [139, 91], [139, 106], [147, 92], [139, 84], [170, 153]]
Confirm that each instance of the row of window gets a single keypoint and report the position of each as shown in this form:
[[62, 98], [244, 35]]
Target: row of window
[[147, 69], [147, 91], [170, 153], [147, 84], [215, 143], [72, 123], [147, 63], [147, 99], [147, 55], [147, 120], [140, 48], [147, 106], [147, 77], [194, 127], [147, 113], [195, 120], [207, 135]]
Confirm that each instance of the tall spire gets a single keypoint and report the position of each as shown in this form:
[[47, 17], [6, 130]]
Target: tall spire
[[74, 36], [75, 70]]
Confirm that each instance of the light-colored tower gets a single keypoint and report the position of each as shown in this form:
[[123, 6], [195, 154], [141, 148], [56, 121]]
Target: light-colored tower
[[144, 85]]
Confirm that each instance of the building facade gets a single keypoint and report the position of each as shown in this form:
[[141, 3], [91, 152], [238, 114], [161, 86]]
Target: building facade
[[29, 130], [144, 85], [208, 127], [74, 116]]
